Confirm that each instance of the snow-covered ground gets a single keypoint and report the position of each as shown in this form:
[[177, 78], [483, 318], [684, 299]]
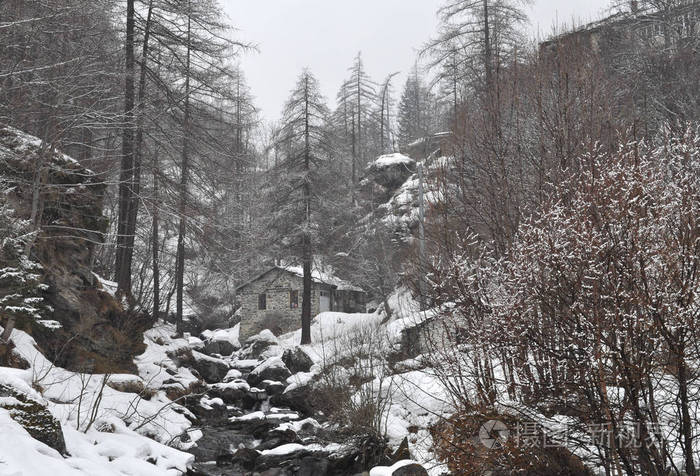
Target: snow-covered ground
[[107, 431], [111, 430], [417, 399]]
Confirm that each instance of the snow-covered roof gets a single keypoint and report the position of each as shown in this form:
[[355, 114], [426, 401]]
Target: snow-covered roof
[[323, 277], [318, 276]]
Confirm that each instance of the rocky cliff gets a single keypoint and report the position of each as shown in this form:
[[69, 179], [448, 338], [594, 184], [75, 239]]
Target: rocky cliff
[[66, 199]]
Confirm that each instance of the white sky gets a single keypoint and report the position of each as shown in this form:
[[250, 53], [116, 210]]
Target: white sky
[[325, 35]]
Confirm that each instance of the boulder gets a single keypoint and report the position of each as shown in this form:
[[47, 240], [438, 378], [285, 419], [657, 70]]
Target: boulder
[[34, 417], [211, 369], [297, 399], [245, 458], [212, 348], [244, 365], [272, 387], [256, 345], [313, 466], [297, 360], [127, 383], [359, 454], [275, 438], [412, 469], [264, 336], [221, 341], [226, 347], [272, 369], [230, 392], [391, 170], [232, 375]]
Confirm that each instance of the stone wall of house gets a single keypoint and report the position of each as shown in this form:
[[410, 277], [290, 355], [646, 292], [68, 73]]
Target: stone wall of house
[[278, 316]]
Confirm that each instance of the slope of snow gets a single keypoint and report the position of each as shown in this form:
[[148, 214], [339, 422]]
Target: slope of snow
[[119, 453], [128, 434], [416, 398], [328, 327]]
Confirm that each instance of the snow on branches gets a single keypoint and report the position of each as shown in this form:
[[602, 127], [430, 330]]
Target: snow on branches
[[21, 287], [593, 311]]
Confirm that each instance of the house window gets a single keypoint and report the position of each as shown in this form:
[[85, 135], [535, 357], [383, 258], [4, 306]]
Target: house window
[[262, 301], [293, 299]]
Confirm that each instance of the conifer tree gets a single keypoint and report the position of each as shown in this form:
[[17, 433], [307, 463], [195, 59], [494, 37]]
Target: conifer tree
[[360, 94], [304, 136], [416, 116]]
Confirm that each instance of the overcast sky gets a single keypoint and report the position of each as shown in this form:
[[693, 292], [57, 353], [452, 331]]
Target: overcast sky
[[325, 35]]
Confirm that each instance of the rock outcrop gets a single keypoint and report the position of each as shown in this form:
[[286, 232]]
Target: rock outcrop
[[297, 360], [96, 335], [34, 417]]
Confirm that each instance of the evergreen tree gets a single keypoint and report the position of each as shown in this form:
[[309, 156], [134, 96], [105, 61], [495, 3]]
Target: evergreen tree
[[359, 94], [416, 115], [386, 105], [304, 138]]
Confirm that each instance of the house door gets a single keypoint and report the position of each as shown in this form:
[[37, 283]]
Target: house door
[[325, 303]]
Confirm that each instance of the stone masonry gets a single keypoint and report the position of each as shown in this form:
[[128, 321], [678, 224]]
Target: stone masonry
[[279, 316]]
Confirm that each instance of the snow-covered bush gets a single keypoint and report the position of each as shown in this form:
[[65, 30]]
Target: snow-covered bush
[[351, 387], [592, 314]]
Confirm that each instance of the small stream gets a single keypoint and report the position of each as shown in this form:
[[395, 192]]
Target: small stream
[[245, 434]]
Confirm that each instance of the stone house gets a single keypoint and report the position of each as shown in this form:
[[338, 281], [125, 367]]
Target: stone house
[[678, 25], [272, 300]]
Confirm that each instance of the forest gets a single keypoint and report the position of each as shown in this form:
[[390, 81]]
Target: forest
[[506, 236]]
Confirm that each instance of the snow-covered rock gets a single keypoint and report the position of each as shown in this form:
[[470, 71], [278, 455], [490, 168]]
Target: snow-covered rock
[[231, 392], [127, 383], [104, 434], [232, 375], [221, 341], [391, 170], [297, 360], [211, 369], [264, 336], [405, 467], [262, 345], [33, 415], [271, 369]]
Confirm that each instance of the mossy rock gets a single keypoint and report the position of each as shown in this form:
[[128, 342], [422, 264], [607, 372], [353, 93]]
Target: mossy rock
[[33, 417]]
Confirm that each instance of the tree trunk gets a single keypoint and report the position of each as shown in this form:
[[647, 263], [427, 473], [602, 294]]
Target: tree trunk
[[307, 255], [359, 118], [154, 240], [180, 261], [686, 421], [134, 196], [488, 63], [123, 254]]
